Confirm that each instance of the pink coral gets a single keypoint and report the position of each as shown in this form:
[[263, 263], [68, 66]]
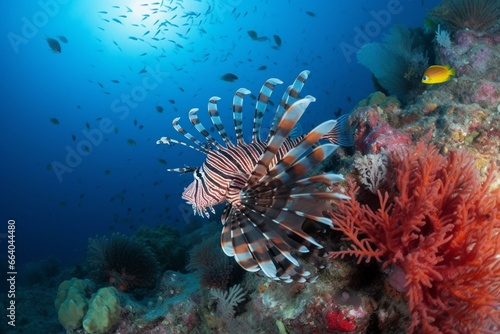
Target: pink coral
[[486, 91], [439, 233], [374, 134]]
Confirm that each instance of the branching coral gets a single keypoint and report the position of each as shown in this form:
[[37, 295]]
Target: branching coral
[[439, 233], [123, 261], [477, 15]]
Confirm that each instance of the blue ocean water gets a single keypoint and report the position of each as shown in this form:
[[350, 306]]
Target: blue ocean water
[[79, 127]]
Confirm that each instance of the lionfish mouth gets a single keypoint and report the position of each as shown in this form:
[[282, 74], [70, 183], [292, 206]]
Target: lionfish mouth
[[198, 203], [265, 183]]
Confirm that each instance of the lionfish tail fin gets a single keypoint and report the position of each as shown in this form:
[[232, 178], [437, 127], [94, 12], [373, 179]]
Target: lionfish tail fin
[[342, 133]]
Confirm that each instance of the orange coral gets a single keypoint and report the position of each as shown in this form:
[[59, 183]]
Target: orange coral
[[439, 233]]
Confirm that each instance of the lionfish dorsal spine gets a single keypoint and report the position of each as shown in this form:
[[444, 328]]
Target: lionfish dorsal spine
[[289, 96], [180, 129], [170, 141], [193, 118], [261, 105], [237, 113], [285, 126], [216, 120]]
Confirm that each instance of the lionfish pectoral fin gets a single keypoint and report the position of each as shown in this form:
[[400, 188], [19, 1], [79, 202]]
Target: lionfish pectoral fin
[[260, 246], [342, 133]]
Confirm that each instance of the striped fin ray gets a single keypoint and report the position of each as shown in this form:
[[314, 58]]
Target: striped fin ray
[[237, 113], [295, 153], [292, 115], [182, 169], [214, 116], [291, 91], [261, 105], [193, 118], [260, 244], [290, 174], [273, 224], [180, 129], [170, 141]]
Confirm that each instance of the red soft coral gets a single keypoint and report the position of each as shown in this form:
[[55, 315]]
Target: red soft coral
[[439, 232], [336, 320]]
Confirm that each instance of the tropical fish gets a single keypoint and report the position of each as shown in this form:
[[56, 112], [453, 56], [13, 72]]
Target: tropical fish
[[277, 40], [264, 184], [253, 34], [131, 142], [159, 109], [311, 14], [54, 121], [63, 39], [437, 74], [54, 45], [229, 77]]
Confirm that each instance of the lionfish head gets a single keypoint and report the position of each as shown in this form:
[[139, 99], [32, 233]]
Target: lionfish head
[[199, 198]]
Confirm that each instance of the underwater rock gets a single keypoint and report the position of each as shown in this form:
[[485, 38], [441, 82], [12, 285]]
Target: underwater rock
[[374, 134]]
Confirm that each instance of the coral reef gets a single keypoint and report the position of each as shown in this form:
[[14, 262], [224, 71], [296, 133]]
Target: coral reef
[[123, 262], [437, 233], [104, 311], [72, 302], [422, 223], [76, 308]]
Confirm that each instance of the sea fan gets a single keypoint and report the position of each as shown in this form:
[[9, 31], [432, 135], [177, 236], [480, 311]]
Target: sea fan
[[122, 261], [477, 15], [439, 233]]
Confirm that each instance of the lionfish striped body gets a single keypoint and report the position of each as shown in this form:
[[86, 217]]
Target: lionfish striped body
[[264, 183]]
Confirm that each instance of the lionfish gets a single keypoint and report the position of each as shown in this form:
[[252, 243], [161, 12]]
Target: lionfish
[[265, 185]]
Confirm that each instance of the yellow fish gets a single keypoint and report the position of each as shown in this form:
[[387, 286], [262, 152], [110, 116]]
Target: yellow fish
[[437, 74]]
